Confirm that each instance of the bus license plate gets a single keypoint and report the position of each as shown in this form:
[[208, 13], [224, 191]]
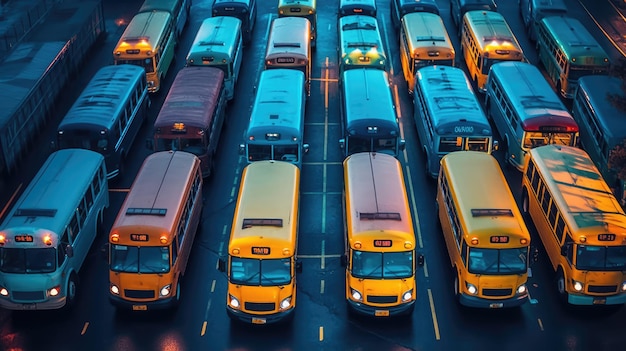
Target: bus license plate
[[381, 313], [259, 320], [140, 307], [496, 305], [28, 306], [599, 301]]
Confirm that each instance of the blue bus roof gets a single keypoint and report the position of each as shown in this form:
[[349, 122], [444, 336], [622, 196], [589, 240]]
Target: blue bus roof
[[368, 100]]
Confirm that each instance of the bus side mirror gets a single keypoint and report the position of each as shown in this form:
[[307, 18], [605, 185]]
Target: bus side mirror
[[53, 145], [420, 260], [344, 260], [496, 145], [564, 250], [342, 143], [221, 265], [242, 148], [535, 254], [402, 145], [305, 148], [69, 251], [299, 266], [149, 144]]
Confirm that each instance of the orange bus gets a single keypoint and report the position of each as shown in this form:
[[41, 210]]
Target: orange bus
[[152, 236]]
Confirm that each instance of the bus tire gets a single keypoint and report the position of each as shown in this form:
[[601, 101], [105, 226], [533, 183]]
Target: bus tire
[[560, 285], [457, 295], [70, 296], [525, 203]]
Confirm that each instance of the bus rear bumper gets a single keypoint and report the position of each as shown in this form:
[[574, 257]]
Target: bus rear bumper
[[375, 311], [477, 302], [259, 318], [162, 304], [596, 300]]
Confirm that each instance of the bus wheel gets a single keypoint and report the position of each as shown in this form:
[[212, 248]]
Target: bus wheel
[[525, 202], [560, 285], [177, 298], [70, 296], [457, 295]]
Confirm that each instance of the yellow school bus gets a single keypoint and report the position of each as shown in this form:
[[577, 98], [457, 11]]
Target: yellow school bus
[[379, 238], [487, 39], [152, 236], [581, 224], [485, 234], [261, 265]]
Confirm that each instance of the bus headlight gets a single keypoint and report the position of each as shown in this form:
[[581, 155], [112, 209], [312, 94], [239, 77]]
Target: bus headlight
[[286, 303], [234, 303], [4, 291], [471, 288], [578, 286], [114, 289], [521, 289], [165, 291], [356, 295], [54, 291], [623, 288], [407, 296]]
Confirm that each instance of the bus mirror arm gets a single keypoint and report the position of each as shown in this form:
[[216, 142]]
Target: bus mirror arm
[[342, 143], [402, 145], [305, 148], [420, 260], [299, 266], [69, 250], [344, 260], [242, 148], [565, 250], [496, 145], [221, 265]]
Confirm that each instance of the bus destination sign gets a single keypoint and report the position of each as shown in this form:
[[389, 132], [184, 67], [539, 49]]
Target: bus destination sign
[[260, 250], [499, 239], [139, 237], [606, 237], [23, 238], [383, 243]]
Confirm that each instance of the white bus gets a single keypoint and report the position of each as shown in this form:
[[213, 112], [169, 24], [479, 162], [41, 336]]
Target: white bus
[[448, 116], [47, 234], [218, 43], [276, 125], [289, 46]]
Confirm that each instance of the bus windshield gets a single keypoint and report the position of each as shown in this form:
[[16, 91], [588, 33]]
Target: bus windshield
[[601, 258], [250, 271], [534, 139], [380, 265], [145, 259], [13, 260], [191, 145], [145, 63], [498, 261]]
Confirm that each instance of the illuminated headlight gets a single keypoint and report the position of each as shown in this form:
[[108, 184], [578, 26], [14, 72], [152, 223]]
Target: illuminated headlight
[[356, 295], [114, 289], [54, 291], [4, 292], [286, 303], [578, 286], [471, 288], [407, 296], [234, 303], [521, 289], [623, 287], [165, 291]]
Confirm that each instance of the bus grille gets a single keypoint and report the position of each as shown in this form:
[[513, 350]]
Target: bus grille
[[28, 295], [497, 292], [260, 306], [139, 294], [382, 299], [602, 288]]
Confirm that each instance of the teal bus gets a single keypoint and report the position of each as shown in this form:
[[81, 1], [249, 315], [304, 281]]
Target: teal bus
[[360, 43], [568, 51]]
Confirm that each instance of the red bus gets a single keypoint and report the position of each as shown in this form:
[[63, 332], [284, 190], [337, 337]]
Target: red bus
[[192, 115]]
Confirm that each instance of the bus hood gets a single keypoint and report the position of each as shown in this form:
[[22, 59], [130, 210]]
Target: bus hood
[[133, 281], [30, 282], [500, 282], [387, 287], [261, 294], [602, 282]]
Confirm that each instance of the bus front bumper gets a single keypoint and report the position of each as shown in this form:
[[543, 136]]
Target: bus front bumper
[[259, 319], [161, 304], [473, 301], [50, 304], [596, 300], [375, 311]]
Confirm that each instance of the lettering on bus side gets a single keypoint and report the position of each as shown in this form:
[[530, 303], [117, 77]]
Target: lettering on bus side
[[464, 129], [260, 250]]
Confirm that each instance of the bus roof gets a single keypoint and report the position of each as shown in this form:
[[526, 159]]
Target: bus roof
[[472, 174], [215, 41], [145, 30], [490, 27], [103, 98], [284, 38], [278, 105], [451, 100], [192, 98], [267, 207], [159, 5], [64, 177], [297, 3], [368, 99], [376, 198], [586, 201], [595, 90], [426, 31], [531, 94], [550, 7], [575, 40], [160, 189]]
